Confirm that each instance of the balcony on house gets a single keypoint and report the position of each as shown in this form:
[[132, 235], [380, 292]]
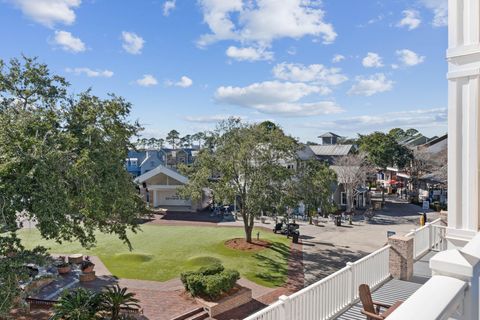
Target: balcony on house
[[337, 297]]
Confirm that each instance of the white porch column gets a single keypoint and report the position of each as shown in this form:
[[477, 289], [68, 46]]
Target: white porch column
[[155, 198], [463, 120]]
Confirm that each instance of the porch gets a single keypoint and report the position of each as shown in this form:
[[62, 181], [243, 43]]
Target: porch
[[395, 290]]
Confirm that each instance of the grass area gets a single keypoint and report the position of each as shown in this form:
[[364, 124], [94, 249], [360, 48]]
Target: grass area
[[162, 252]]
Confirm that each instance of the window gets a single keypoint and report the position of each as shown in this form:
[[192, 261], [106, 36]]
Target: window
[[343, 198], [132, 162]]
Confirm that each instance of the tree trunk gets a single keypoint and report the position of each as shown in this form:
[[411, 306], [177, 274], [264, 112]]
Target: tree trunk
[[248, 225], [248, 234]]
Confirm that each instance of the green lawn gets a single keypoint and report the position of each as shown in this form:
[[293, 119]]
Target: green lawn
[[162, 252]]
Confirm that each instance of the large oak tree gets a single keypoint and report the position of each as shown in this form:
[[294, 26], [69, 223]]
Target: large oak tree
[[246, 162], [61, 165]]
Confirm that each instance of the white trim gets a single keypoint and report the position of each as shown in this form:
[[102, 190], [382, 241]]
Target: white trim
[[163, 187], [162, 169]]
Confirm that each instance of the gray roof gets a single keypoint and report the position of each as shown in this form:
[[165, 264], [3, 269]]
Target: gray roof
[[329, 135], [332, 149], [305, 153]]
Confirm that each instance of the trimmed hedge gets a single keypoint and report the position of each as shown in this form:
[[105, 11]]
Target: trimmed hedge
[[210, 282]]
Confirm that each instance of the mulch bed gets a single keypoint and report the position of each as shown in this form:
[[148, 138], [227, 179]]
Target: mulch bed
[[242, 245]]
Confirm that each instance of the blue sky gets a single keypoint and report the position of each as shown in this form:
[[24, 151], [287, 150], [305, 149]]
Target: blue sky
[[346, 66]]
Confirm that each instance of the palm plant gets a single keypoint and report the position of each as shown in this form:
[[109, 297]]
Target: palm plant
[[114, 298], [79, 304]]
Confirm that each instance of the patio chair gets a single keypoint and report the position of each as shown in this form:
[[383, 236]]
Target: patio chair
[[371, 308]]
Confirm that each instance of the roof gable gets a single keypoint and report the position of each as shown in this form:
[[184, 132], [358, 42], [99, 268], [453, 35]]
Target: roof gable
[[162, 170]]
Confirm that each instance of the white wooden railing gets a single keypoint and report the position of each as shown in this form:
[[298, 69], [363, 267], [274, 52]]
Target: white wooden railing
[[429, 237], [332, 295]]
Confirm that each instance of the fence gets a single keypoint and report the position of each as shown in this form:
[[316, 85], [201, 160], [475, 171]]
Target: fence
[[429, 237], [332, 295]]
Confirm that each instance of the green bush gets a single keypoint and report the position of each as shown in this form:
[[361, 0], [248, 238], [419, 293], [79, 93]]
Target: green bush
[[210, 282], [212, 269]]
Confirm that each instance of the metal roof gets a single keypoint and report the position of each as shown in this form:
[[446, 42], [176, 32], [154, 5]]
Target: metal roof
[[329, 135], [332, 149]]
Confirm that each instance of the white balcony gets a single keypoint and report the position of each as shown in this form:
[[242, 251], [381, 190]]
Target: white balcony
[[336, 296]]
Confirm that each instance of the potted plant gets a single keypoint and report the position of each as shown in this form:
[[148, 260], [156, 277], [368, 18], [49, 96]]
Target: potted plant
[[87, 266], [62, 265]]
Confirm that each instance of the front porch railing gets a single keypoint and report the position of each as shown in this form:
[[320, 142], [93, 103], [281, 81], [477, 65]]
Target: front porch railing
[[332, 295], [429, 237]]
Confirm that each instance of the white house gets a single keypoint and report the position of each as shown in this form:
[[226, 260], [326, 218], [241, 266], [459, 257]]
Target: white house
[[162, 184]]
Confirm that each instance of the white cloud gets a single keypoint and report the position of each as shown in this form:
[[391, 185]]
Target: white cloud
[[411, 19], [68, 42], [420, 118], [168, 6], [184, 82], [368, 86], [262, 21], [337, 58], [440, 11], [91, 73], [147, 81], [274, 97], [409, 58], [212, 118], [372, 60], [132, 43], [49, 12], [249, 53], [316, 73]]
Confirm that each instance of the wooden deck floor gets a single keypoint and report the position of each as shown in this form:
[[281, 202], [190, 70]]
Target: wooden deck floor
[[395, 290]]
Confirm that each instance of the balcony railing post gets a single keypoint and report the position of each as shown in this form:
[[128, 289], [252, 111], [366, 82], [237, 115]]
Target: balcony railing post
[[285, 307], [431, 239], [351, 267], [413, 232]]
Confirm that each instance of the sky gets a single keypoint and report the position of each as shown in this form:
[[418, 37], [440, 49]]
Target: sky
[[346, 66]]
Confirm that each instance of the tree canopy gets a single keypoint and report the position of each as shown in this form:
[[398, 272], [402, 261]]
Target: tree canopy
[[315, 183], [244, 162], [61, 163], [383, 150]]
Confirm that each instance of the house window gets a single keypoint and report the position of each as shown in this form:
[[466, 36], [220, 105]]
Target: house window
[[343, 198]]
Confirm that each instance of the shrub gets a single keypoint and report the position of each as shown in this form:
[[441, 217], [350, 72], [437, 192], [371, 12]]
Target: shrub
[[210, 282], [212, 269]]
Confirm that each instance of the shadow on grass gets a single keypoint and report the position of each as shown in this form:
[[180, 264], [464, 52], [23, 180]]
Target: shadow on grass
[[280, 248], [274, 271]]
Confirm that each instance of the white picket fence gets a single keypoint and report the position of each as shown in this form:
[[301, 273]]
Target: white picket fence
[[429, 237], [332, 295]]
